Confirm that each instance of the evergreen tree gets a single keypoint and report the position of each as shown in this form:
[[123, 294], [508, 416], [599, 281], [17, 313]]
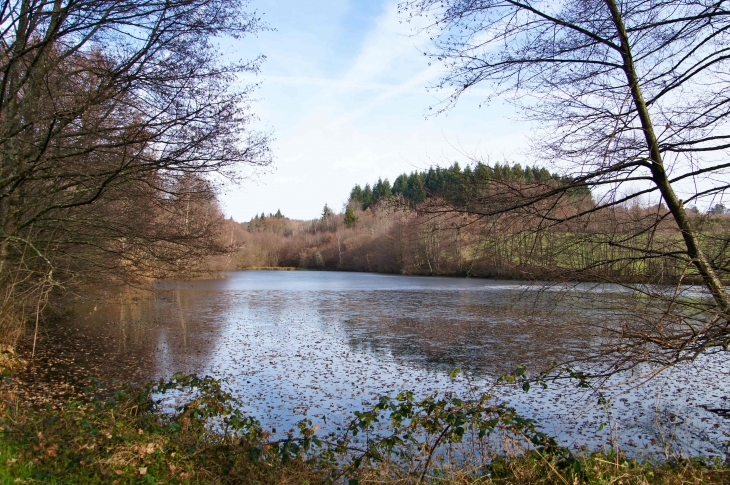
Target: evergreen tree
[[367, 197], [455, 183], [483, 172], [717, 209], [415, 188], [278, 214], [356, 195], [381, 190], [327, 212], [350, 217], [400, 186], [452, 181]]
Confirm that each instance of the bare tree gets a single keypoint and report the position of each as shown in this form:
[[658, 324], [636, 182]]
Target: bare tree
[[634, 98], [109, 113]]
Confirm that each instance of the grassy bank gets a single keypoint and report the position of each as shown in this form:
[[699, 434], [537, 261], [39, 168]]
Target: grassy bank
[[199, 436]]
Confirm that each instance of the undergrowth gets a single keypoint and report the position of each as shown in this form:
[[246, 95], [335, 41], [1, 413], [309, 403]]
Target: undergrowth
[[190, 430]]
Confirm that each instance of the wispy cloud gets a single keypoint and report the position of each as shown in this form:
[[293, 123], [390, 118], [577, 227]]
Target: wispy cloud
[[328, 83], [387, 50], [363, 121]]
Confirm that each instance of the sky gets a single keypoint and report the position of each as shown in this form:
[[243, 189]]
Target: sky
[[344, 95]]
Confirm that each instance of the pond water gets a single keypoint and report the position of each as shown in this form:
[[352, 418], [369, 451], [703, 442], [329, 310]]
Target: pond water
[[324, 344]]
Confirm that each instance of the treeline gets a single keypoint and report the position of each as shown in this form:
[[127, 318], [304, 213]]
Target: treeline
[[455, 182], [384, 230]]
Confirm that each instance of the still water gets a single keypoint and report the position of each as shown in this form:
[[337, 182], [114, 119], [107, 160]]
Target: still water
[[324, 344]]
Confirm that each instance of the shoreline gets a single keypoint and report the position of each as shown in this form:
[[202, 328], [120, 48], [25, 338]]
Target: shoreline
[[547, 277]]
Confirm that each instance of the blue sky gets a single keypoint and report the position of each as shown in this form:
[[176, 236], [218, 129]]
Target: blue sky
[[344, 94]]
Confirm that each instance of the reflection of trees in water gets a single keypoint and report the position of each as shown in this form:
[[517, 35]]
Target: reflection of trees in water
[[97, 340], [134, 335], [486, 333], [185, 328]]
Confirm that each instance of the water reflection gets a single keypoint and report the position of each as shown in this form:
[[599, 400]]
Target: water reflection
[[484, 333], [316, 343]]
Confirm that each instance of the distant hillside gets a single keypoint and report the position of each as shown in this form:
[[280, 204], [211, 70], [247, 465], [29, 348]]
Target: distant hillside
[[438, 222]]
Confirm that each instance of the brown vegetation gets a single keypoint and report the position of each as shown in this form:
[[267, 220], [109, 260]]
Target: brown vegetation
[[115, 117], [609, 246]]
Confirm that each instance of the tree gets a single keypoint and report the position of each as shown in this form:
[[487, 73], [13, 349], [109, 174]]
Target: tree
[[115, 117], [717, 209], [415, 190], [400, 185], [367, 197], [628, 93], [327, 213], [381, 190], [350, 218]]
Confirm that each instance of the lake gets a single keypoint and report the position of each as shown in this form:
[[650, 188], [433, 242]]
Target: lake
[[291, 344]]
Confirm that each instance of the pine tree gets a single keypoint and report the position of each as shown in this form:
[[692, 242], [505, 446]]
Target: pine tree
[[350, 218], [381, 190], [367, 197], [356, 194], [400, 186]]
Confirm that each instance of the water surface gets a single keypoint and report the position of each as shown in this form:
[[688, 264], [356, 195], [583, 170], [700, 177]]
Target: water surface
[[290, 344]]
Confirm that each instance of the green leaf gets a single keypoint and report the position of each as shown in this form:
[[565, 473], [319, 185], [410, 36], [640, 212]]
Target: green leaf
[[526, 386], [454, 373]]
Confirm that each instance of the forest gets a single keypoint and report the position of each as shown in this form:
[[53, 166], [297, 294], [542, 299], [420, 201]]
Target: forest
[[410, 228]]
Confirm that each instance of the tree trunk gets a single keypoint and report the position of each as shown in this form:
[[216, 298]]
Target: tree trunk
[[659, 174]]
